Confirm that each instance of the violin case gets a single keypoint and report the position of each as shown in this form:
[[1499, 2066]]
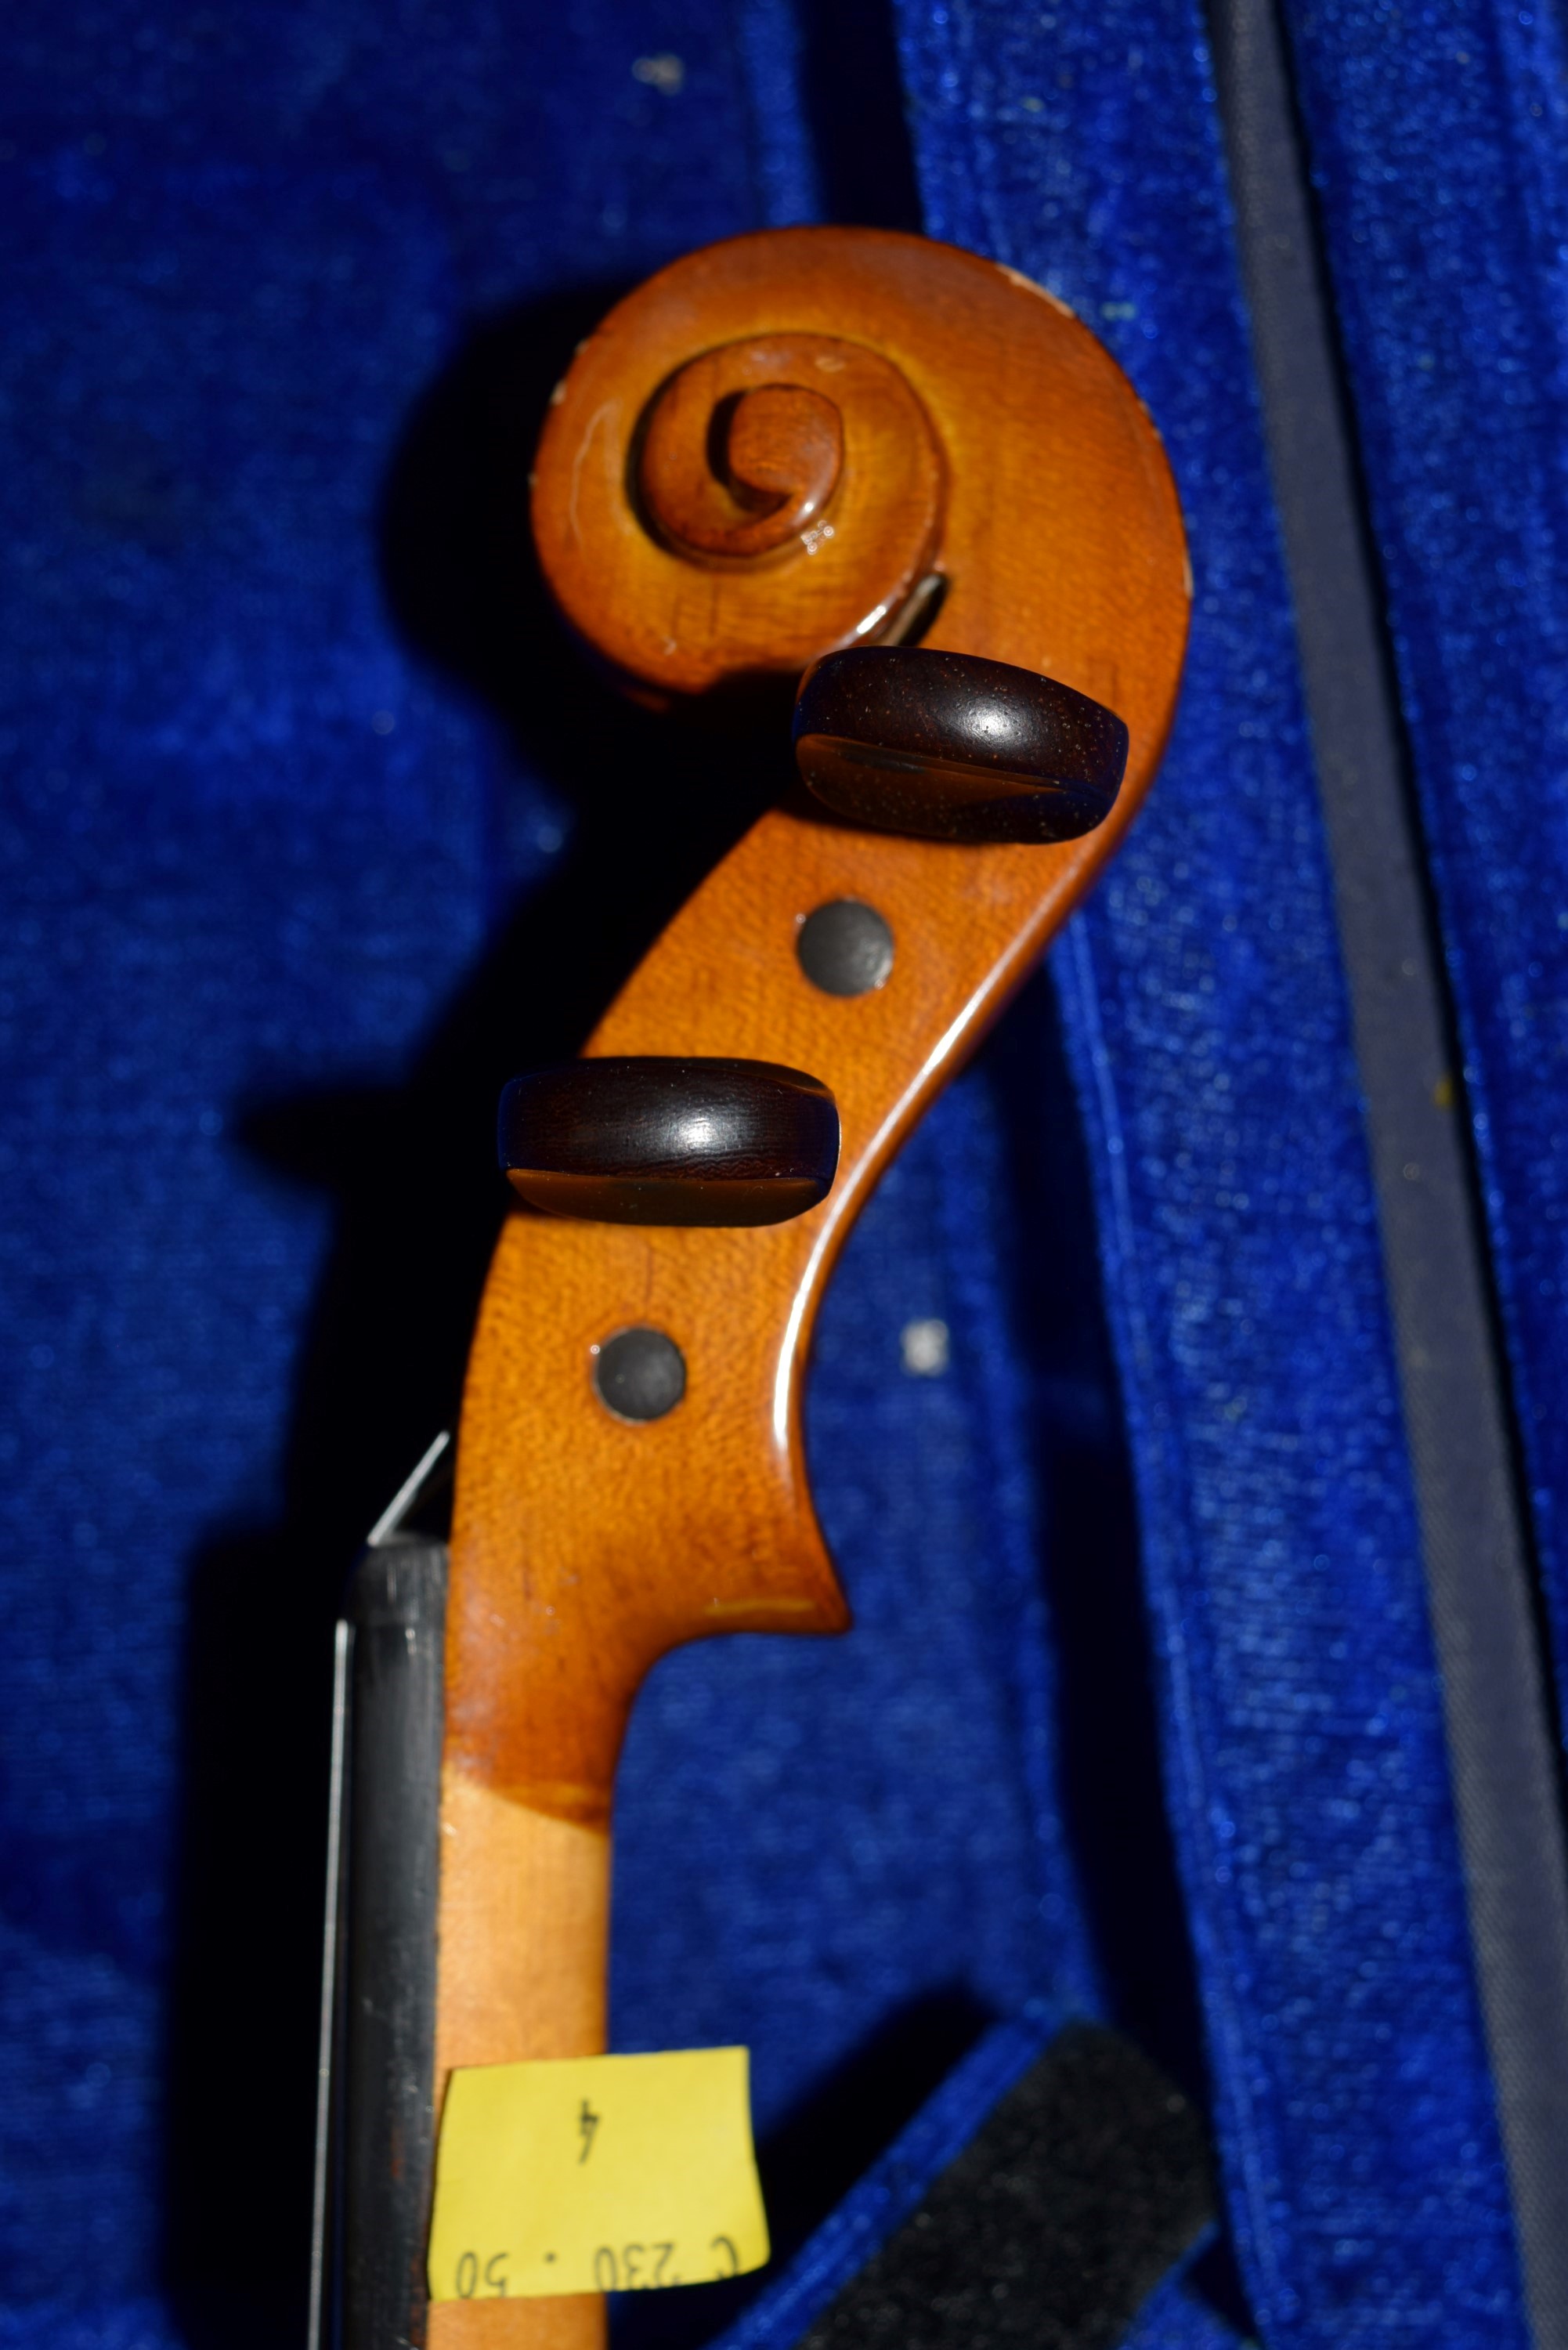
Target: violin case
[[1175, 1705]]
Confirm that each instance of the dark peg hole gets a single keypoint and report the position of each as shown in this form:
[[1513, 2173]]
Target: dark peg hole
[[639, 1374], [658, 1141], [846, 948], [947, 746]]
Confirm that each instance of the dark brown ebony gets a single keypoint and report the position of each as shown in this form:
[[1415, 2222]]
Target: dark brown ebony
[[950, 747], [656, 1141], [639, 1374], [846, 948]]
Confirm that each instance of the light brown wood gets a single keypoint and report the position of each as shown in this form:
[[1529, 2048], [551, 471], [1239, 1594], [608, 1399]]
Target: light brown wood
[[584, 1547], [504, 1867], [782, 455], [803, 422]]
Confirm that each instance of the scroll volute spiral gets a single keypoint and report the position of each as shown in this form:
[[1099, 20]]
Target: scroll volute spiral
[[805, 453], [763, 453], [768, 499], [740, 460]]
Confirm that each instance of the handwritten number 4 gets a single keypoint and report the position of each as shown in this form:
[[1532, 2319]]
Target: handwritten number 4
[[588, 2122]]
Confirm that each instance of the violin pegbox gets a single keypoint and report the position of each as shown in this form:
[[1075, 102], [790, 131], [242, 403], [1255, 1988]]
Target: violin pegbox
[[780, 455]]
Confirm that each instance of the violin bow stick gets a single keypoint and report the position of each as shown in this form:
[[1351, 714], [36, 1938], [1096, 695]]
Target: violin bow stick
[[788, 453]]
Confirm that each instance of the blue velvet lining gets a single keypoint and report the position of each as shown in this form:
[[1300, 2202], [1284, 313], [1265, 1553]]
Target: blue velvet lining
[[1440, 151], [253, 846], [1205, 1008], [892, 2190], [276, 851], [1175, 2317]]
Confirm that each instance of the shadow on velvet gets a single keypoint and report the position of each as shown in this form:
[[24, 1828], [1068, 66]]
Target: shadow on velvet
[[653, 804], [1106, 1724]]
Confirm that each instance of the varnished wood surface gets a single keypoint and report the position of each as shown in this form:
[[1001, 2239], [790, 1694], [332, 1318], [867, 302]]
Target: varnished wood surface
[[656, 1140], [584, 1547], [952, 747], [687, 611]]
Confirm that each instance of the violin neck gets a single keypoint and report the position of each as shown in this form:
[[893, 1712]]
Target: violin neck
[[524, 1930]]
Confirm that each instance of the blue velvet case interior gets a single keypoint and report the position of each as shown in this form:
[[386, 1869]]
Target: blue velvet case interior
[[313, 837]]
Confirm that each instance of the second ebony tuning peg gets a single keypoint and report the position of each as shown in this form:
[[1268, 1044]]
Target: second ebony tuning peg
[[652, 1141], [950, 747]]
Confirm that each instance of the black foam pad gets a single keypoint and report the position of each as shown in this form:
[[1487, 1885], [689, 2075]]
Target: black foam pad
[[1089, 2180]]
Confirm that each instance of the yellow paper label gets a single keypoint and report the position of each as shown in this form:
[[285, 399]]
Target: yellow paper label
[[596, 2174]]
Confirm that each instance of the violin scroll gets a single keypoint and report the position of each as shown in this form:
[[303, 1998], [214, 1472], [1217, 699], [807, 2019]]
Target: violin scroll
[[701, 517], [757, 504], [741, 473]]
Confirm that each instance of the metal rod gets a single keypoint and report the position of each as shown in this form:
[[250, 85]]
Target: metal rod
[[321, 2206], [397, 1606], [408, 1493]]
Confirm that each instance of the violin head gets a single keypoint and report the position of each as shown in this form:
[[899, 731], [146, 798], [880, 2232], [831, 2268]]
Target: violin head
[[793, 452]]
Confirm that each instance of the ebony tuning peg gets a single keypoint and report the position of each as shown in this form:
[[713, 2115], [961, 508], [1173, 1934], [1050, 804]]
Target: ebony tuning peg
[[951, 748], [666, 1141]]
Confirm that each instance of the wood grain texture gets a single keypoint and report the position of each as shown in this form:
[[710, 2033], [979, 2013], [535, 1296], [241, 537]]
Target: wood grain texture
[[733, 466], [707, 587], [584, 1547]]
